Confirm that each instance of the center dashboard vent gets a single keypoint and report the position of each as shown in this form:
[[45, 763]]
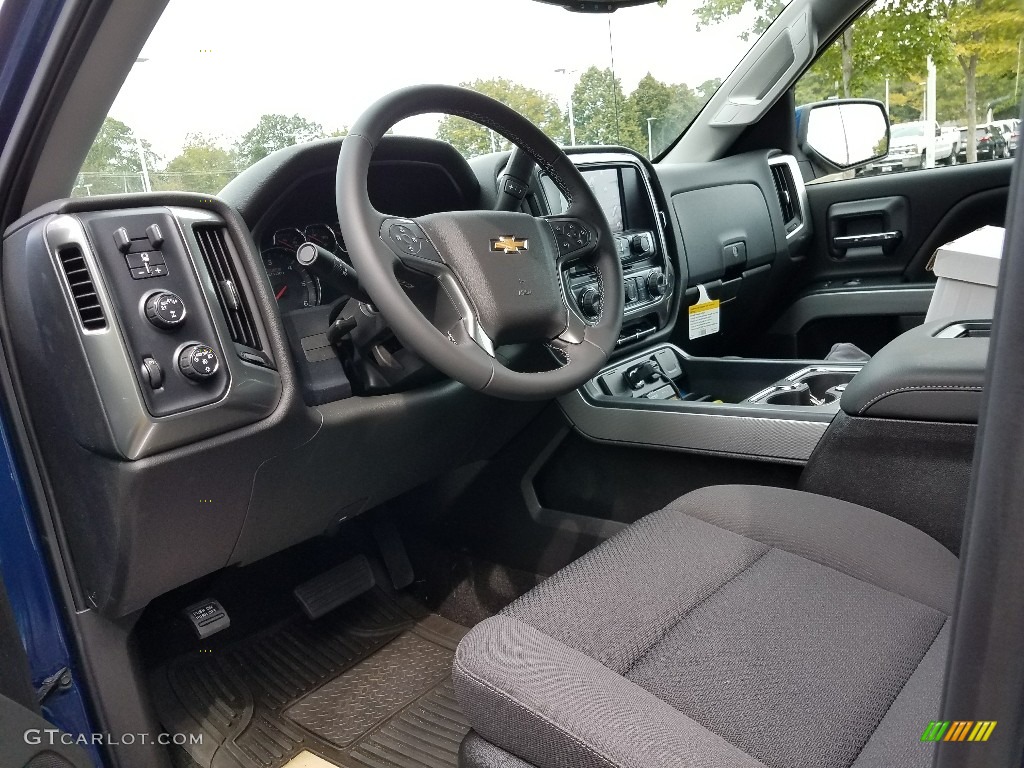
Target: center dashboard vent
[[789, 197], [216, 253], [83, 289]]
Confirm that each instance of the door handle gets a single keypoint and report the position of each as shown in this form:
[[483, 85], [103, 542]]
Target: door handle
[[845, 242]]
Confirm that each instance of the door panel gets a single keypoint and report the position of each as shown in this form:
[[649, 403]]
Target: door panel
[[868, 293]]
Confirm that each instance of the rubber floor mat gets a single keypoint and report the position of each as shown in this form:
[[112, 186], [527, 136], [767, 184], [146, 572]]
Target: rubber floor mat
[[366, 685]]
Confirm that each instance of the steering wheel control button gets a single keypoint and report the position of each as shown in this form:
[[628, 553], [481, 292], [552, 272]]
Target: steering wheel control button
[[407, 240], [198, 362], [165, 310], [152, 373], [515, 188], [570, 235]]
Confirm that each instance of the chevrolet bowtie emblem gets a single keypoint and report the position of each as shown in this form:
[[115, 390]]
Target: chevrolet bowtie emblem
[[509, 244]]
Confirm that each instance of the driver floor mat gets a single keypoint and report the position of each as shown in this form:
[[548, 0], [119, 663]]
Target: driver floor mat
[[367, 685]]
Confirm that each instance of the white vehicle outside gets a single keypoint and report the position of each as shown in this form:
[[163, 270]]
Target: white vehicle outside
[[909, 142]]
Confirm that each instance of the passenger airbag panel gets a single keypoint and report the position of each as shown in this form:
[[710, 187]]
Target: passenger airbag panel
[[725, 229]]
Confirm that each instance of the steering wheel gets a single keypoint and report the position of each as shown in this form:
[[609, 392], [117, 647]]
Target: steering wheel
[[499, 271]]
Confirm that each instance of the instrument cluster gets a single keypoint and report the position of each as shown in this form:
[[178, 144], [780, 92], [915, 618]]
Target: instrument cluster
[[294, 286]]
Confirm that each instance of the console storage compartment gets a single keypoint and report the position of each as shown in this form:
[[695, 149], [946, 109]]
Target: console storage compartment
[[934, 372], [903, 443]]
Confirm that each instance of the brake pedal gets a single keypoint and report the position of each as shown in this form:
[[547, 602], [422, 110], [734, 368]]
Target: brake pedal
[[396, 559], [345, 582]]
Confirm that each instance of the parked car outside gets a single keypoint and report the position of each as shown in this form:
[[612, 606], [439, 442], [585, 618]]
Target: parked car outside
[[1011, 132], [990, 143]]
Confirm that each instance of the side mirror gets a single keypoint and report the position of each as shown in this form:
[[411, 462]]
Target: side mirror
[[843, 134]]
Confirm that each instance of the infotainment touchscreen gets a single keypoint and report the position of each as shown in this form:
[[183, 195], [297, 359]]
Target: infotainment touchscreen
[[607, 186]]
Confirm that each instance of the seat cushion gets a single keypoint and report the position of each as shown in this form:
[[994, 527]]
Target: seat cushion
[[739, 626]]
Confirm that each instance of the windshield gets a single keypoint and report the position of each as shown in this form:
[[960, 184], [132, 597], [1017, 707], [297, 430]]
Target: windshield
[[219, 85], [907, 131]]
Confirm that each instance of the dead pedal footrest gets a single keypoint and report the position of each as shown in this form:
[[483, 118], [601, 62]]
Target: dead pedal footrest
[[324, 593]]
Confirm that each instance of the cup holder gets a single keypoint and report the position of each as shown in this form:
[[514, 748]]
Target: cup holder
[[822, 389], [796, 394], [826, 383], [809, 388]]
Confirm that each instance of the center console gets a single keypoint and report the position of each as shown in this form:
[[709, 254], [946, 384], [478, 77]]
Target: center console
[[774, 410], [897, 428]]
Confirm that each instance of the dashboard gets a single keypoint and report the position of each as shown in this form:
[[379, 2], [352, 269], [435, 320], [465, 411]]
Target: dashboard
[[162, 336]]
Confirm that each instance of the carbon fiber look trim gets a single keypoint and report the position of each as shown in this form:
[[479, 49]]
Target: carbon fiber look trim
[[767, 439]]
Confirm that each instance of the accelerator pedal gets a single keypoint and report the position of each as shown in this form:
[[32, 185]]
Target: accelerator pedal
[[323, 593]]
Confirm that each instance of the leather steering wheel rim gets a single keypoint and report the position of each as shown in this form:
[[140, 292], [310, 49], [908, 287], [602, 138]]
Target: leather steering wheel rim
[[501, 271]]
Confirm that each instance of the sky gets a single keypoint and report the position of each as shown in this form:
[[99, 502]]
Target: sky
[[215, 66]]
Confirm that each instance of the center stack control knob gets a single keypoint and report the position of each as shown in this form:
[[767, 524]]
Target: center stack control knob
[[198, 362], [165, 310], [657, 284], [642, 244], [590, 302]]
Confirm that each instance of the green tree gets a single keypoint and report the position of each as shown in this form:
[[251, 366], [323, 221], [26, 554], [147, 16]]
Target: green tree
[[274, 132], [113, 164], [890, 41], [984, 35], [668, 108], [472, 139], [598, 104], [202, 166], [711, 12]]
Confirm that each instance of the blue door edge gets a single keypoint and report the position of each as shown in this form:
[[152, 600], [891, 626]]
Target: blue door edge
[[24, 560], [36, 604]]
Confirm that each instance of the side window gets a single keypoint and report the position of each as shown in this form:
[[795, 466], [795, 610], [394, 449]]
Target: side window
[[948, 74]]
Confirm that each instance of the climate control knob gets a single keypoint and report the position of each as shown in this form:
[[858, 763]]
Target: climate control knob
[[198, 362], [590, 302], [165, 310], [657, 284]]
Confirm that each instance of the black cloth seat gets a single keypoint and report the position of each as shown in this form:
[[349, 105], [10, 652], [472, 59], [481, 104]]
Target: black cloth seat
[[740, 626]]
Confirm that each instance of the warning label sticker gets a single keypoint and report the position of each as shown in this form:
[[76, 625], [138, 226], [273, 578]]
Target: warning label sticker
[[704, 315]]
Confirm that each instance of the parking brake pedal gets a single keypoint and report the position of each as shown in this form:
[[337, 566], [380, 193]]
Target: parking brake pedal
[[343, 583], [208, 618]]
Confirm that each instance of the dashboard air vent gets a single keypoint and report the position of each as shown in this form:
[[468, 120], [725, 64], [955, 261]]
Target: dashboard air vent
[[785, 186], [214, 247], [83, 290]]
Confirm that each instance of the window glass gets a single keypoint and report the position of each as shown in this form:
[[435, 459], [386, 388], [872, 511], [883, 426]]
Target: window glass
[[222, 83], [967, 55]]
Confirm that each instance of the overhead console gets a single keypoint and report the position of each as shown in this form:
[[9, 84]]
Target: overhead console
[[625, 192]]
